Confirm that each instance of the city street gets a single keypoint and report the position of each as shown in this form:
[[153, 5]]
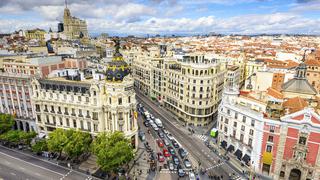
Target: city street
[[201, 155], [15, 165]]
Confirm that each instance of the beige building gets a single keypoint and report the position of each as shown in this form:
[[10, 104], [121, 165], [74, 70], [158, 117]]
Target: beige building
[[188, 85], [74, 28], [97, 102]]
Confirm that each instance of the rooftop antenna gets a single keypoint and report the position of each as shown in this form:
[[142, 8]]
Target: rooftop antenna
[[66, 3]]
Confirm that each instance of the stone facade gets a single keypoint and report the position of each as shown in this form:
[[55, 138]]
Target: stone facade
[[74, 27]]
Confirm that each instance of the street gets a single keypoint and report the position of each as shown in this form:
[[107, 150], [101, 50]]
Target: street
[[15, 165], [193, 144]]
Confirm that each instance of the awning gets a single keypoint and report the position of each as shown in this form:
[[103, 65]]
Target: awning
[[267, 158], [238, 153], [230, 148], [246, 158], [224, 144]]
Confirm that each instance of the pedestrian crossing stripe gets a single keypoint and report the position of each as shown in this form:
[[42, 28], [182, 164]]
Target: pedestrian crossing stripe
[[212, 167], [202, 137]]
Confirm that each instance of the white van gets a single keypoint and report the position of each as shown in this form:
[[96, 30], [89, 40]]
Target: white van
[[158, 122]]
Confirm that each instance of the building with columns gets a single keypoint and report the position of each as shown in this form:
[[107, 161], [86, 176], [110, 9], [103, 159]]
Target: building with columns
[[96, 102]]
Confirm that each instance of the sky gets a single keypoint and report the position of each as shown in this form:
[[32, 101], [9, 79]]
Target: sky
[[166, 17]]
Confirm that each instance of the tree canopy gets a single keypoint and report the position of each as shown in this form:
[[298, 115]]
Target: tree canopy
[[18, 137], [112, 150], [6, 122], [40, 146]]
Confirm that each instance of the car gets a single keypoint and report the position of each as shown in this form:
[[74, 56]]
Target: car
[[165, 131], [160, 143], [161, 135], [181, 172], [170, 137], [146, 123], [176, 160], [171, 166], [166, 142], [166, 153], [192, 176], [155, 127], [171, 150], [160, 157], [187, 163], [175, 144], [182, 153], [142, 136]]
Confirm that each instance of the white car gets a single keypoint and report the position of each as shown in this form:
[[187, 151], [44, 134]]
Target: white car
[[170, 137], [155, 127], [192, 176]]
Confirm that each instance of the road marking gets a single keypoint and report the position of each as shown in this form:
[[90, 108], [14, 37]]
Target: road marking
[[37, 174], [13, 174], [31, 164]]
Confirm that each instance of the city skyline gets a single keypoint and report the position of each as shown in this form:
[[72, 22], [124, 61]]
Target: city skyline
[[166, 17]]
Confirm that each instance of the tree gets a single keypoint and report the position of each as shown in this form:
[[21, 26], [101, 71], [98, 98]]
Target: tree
[[40, 146], [112, 150], [6, 122], [18, 137], [79, 143], [57, 140]]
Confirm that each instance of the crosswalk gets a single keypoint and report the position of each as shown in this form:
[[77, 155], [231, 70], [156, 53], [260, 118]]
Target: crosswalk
[[202, 137], [215, 166]]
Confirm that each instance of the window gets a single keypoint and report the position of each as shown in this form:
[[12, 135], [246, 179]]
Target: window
[[66, 111], [80, 113], [270, 139], [236, 115], [244, 119], [234, 133], [226, 130], [74, 123], [250, 142], [251, 132], [241, 137], [269, 148], [95, 127], [120, 101], [79, 98], [129, 99], [302, 140], [272, 128], [243, 128], [235, 124], [87, 99], [226, 121], [68, 123], [109, 100], [95, 115], [252, 122], [228, 112]]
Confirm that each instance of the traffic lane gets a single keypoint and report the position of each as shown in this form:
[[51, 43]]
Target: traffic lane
[[17, 169], [183, 137], [72, 175], [180, 136]]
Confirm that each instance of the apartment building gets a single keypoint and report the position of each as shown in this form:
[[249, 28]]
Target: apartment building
[[94, 102], [188, 85]]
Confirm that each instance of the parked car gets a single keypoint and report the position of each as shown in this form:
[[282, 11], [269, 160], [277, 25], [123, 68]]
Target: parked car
[[142, 136], [166, 153], [158, 122], [175, 144], [181, 172], [182, 153], [155, 127], [146, 123], [171, 150], [166, 142], [170, 137], [165, 131], [161, 135], [187, 163], [176, 160], [160, 157], [160, 143], [171, 166]]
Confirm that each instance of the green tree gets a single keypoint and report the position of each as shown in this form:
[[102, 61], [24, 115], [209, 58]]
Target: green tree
[[112, 150], [40, 146], [57, 140], [6, 122], [79, 143], [18, 137]]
